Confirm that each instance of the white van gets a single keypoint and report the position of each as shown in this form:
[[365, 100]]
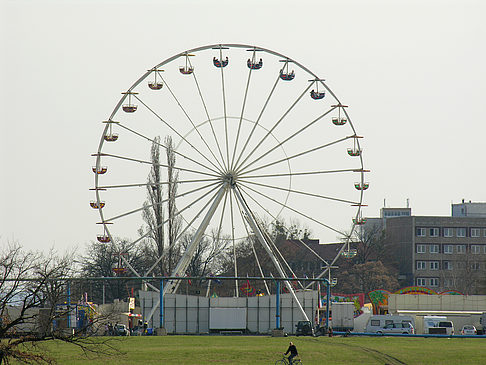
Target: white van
[[438, 325], [448, 325], [377, 323]]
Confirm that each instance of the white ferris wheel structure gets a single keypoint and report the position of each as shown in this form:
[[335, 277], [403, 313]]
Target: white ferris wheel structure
[[258, 138]]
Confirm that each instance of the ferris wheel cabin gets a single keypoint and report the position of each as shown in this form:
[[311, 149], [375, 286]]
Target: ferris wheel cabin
[[317, 95], [354, 151], [339, 121], [360, 186], [359, 221], [254, 65], [111, 137], [101, 170], [349, 254], [103, 238], [219, 63], [287, 76], [94, 204], [155, 85]]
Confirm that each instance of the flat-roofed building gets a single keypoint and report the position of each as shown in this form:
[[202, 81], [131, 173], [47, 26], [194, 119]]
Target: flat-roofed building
[[441, 253]]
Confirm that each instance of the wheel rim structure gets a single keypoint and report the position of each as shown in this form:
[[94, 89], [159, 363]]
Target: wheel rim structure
[[255, 141]]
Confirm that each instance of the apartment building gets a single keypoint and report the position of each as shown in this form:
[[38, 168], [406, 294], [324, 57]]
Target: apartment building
[[442, 253]]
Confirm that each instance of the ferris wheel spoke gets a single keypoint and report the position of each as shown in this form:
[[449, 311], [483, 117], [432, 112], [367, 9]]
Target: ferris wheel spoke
[[234, 243], [193, 125], [245, 224], [177, 132], [287, 229], [186, 228], [207, 113], [150, 163], [269, 132], [179, 212], [224, 110], [280, 257], [289, 208], [105, 187], [328, 266], [162, 202], [298, 154], [220, 226], [299, 192], [300, 173], [241, 116], [165, 147], [257, 121], [289, 138]]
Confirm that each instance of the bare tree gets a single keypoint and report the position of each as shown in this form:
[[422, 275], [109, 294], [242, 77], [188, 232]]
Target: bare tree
[[153, 213], [466, 274], [102, 259], [371, 244], [208, 255], [32, 286], [162, 232], [174, 221]]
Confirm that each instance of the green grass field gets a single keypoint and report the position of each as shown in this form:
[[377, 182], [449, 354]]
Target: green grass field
[[197, 350]]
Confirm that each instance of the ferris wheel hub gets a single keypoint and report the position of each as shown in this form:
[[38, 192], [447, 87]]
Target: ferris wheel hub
[[230, 178]]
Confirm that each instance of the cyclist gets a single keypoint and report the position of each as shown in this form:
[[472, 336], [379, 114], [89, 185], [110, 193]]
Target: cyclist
[[293, 352]]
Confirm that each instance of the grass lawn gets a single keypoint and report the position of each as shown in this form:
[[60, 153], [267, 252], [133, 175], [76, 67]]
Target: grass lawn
[[198, 350]]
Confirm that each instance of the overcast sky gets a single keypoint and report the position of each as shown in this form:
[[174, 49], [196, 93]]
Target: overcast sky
[[412, 72]]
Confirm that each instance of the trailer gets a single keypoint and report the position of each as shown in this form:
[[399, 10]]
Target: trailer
[[342, 317]]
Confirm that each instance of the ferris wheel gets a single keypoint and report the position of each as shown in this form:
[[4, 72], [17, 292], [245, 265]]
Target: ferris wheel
[[258, 138]]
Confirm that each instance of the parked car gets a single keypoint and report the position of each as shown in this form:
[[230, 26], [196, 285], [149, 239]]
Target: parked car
[[448, 325], [121, 330], [304, 328], [468, 330], [404, 328]]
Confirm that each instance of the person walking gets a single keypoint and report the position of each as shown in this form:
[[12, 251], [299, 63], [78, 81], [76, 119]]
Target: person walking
[[293, 352]]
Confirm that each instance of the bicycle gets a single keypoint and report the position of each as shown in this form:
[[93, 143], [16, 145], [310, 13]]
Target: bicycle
[[285, 361]]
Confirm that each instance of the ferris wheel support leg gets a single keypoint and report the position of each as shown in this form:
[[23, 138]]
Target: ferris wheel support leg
[[181, 267], [258, 232], [183, 263]]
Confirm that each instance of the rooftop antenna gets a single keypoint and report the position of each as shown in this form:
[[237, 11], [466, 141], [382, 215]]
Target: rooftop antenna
[[384, 202], [408, 203]]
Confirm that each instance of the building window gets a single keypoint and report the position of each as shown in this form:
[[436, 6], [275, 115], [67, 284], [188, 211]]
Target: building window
[[421, 248], [475, 232], [434, 265], [461, 248], [420, 232], [484, 232], [448, 249], [434, 248], [448, 232], [475, 266], [447, 265], [421, 265], [434, 281], [434, 232], [476, 249], [461, 232], [421, 282]]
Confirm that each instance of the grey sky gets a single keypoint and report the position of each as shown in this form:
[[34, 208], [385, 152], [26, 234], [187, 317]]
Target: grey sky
[[412, 73]]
